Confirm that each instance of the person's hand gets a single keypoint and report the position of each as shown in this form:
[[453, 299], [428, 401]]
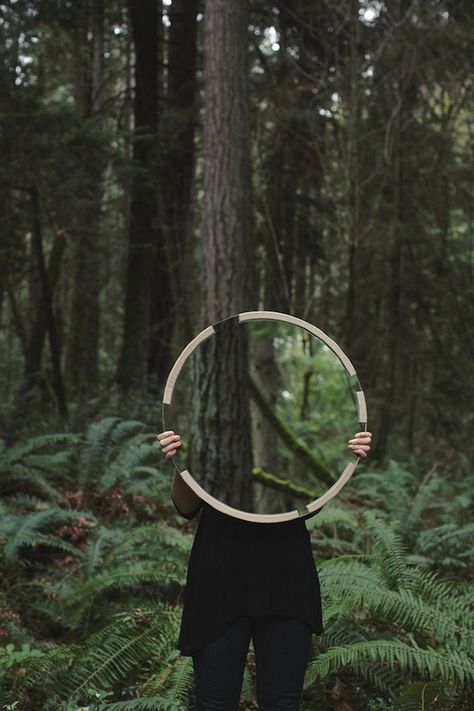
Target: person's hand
[[169, 442], [360, 444]]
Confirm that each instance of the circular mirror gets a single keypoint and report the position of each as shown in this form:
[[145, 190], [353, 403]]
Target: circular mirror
[[264, 403]]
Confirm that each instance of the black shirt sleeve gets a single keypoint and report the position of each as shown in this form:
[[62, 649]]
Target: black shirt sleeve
[[190, 515]]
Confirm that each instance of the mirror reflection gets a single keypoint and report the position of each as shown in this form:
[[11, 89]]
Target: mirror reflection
[[264, 410]]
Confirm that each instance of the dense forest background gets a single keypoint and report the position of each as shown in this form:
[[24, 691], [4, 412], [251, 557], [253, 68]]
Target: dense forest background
[[169, 164]]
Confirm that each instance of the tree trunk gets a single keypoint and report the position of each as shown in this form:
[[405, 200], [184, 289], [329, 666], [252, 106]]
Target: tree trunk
[[144, 231], [404, 95], [83, 340], [228, 254], [46, 295], [172, 313]]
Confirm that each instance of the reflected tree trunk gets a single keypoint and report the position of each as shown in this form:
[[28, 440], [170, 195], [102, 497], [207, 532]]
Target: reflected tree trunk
[[221, 422]]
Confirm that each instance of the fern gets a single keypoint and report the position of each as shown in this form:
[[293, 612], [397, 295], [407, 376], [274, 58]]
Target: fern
[[132, 646], [454, 666], [77, 602], [424, 696], [147, 703], [447, 538], [25, 530], [389, 551], [134, 454], [180, 679], [100, 440], [100, 541], [36, 444]]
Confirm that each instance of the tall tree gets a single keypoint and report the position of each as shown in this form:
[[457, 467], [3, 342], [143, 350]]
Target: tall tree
[[88, 70], [144, 231], [227, 243], [173, 304]]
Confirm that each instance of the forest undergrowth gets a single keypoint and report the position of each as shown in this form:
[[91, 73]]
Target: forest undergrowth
[[94, 561]]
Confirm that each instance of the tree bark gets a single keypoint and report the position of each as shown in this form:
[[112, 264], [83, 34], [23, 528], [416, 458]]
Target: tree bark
[[46, 296], [144, 232], [82, 365], [173, 312], [227, 250], [404, 92]]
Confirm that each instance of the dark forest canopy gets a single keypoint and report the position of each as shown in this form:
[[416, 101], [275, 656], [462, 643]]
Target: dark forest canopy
[[348, 162], [166, 164]]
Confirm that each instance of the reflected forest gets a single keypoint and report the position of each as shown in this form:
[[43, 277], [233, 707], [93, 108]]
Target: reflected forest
[[166, 165]]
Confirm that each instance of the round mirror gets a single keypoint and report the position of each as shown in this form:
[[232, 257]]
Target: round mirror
[[264, 403]]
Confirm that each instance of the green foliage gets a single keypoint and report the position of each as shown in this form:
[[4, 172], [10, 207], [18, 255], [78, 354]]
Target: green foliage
[[26, 530], [390, 623], [27, 468], [102, 626]]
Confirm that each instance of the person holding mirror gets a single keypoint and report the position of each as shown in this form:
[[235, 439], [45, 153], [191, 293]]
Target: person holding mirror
[[247, 581]]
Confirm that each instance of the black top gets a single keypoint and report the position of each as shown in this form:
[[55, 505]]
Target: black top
[[240, 568]]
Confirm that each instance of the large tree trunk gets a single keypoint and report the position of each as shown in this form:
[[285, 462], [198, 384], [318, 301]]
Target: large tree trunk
[[173, 312], [404, 94], [228, 256], [144, 231], [83, 339], [352, 171]]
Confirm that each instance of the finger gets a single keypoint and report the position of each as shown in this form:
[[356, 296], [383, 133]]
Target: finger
[[363, 434], [164, 434], [170, 454], [360, 439], [365, 447], [168, 440], [170, 447], [360, 452]]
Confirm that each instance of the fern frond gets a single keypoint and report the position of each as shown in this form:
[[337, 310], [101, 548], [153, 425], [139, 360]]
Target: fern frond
[[21, 477], [446, 537], [180, 680], [147, 703], [36, 444], [333, 515], [35, 521], [450, 665], [433, 590], [133, 642], [407, 611], [32, 539], [78, 601], [338, 575], [389, 551], [100, 540], [94, 450], [111, 448], [422, 696], [129, 457], [153, 536]]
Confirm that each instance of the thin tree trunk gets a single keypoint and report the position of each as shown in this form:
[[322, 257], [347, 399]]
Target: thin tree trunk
[[34, 349], [48, 306]]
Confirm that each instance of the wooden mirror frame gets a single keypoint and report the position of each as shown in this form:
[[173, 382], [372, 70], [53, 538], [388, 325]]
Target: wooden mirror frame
[[361, 410]]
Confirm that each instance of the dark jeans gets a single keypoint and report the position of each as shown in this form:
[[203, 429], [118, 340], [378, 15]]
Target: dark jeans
[[281, 647]]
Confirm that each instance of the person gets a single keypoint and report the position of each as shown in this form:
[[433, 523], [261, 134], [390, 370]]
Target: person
[[247, 581]]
